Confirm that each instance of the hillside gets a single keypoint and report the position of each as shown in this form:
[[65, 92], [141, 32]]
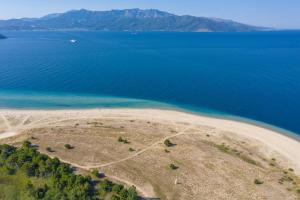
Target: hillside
[[125, 20]]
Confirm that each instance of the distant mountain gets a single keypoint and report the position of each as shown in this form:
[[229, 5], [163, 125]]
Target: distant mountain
[[125, 20], [2, 36]]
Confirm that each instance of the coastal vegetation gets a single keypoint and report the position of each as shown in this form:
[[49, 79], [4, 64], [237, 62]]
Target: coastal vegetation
[[173, 167], [168, 143], [232, 151], [27, 174], [258, 182], [68, 146], [120, 139]]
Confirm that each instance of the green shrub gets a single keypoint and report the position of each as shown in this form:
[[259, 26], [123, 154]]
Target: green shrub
[[168, 143], [95, 173], [173, 167], [132, 194], [106, 185], [258, 182], [49, 149], [120, 139], [68, 146]]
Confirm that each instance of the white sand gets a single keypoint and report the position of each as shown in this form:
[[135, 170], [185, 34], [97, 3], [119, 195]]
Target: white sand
[[7, 134], [274, 141]]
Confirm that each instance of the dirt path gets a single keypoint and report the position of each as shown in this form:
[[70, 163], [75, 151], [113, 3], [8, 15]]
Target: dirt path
[[141, 191], [6, 121]]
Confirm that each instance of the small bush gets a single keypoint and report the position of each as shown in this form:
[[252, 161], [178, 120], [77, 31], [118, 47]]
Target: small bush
[[167, 151], [49, 149], [173, 167], [120, 139], [298, 191], [290, 169], [168, 143], [131, 149], [258, 182], [68, 146]]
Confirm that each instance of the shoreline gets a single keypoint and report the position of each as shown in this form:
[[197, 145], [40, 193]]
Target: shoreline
[[282, 143]]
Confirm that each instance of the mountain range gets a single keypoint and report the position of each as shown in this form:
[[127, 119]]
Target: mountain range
[[126, 20]]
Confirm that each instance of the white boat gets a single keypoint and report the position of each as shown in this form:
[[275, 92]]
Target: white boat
[[73, 41]]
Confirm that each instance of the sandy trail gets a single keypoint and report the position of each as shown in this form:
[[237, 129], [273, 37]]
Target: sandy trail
[[8, 134], [6, 121]]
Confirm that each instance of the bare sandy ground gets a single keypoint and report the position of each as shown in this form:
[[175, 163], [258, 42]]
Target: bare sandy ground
[[275, 141], [204, 167]]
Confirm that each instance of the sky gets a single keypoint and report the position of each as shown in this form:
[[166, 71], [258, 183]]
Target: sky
[[269, 13]]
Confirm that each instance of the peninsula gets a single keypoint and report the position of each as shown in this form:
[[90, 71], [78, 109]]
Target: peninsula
[[164, 154]]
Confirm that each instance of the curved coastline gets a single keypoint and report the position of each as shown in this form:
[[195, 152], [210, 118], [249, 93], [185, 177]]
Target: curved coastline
[[33, 100], [271, 140], [280, 140]]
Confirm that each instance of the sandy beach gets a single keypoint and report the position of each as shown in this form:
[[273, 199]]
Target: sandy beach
[[272, 140], [213, 150]]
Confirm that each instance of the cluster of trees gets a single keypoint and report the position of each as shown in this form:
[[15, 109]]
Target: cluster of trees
[[48, 178], [118, 191]]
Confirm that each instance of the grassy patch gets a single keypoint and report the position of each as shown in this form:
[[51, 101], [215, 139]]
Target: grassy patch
[[234, 152]]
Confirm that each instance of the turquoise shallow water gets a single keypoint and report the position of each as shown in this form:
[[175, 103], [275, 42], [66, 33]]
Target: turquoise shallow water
[[250, 75]]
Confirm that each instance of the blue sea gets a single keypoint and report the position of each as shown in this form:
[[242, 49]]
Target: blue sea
[[253, 76]]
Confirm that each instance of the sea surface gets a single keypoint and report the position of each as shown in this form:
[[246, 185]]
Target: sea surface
[[250, 75]]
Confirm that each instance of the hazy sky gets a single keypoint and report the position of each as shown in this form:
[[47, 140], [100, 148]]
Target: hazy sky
[[272, 13]]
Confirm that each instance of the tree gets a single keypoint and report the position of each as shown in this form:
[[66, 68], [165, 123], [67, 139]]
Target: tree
[[132, 194], [95, 173], [106, 185]]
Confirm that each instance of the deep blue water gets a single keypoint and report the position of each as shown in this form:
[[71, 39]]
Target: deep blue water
[[252, 75]]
